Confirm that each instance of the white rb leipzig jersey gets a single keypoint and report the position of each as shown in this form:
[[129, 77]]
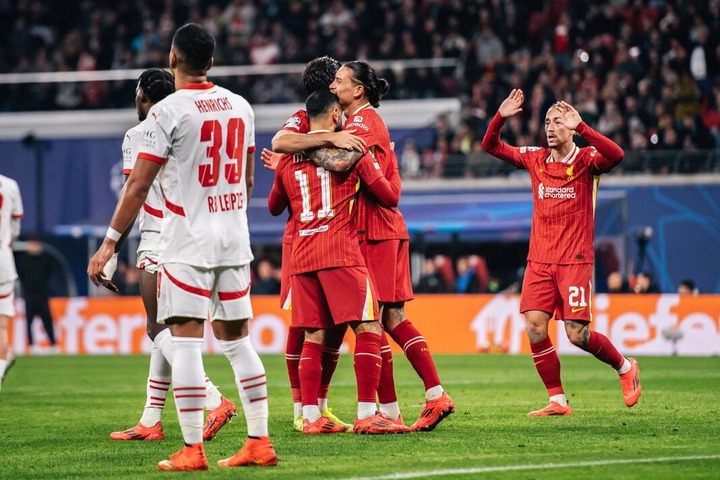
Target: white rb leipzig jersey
[[150, 217], [202, 135], [11, 209]]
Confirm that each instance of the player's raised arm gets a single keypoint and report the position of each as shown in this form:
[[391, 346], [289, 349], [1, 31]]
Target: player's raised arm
[[290, 142], [491, 142], [610, 152]]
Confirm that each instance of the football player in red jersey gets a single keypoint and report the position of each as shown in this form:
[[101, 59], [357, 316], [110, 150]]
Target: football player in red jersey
[[384, 235], [318, 75], [558, 278], [328, 274]]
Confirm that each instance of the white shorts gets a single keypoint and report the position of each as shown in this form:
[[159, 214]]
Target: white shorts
[[222, 293], [7, 298], [148, 260], [147, 252]]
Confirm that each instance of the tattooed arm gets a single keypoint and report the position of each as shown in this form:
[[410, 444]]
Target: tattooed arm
[[335, 159]]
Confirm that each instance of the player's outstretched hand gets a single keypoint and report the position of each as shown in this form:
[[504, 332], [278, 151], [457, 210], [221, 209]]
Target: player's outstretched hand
[[270, 159], [512, 104], [98, 267], [345, 139], [570, 117]]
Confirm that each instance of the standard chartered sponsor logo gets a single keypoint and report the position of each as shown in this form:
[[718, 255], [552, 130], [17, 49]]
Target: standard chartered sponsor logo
[[555, 192]]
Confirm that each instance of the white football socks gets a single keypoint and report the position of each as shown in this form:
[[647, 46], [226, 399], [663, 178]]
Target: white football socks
[[392, 410], [366, 409], [188, 382], [433, 393], [251, 382], [158, 382], [625, 366], [311, 412]]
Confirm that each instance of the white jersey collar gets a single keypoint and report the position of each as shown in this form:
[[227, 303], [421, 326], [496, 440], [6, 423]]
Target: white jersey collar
[[569, 158], [365, 105]]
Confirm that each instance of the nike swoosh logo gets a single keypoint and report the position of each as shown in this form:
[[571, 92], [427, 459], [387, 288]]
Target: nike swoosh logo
[[575, 310]]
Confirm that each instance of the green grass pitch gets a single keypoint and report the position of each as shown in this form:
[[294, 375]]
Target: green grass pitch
[[56, 414]]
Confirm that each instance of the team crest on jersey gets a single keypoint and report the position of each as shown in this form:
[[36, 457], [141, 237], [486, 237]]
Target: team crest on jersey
[[292, 122], [593, 151], [529, 149], [569, 172], [358, 119]]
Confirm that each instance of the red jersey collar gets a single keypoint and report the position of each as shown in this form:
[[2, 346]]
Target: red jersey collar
[[197, 86]]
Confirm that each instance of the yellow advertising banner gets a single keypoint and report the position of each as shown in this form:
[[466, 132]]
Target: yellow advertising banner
[[636, 324]]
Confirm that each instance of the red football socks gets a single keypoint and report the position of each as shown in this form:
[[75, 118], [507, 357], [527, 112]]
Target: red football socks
[[547, 363], [417, 352], [331, 354], [310, 372], [293, 349], [368, 364], [600, 346], [386, 388]]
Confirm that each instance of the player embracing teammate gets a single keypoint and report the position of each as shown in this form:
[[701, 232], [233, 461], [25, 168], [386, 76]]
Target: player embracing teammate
[[384, 239]]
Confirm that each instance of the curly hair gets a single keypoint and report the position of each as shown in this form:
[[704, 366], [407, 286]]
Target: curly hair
[[320, 73], [156, 83]]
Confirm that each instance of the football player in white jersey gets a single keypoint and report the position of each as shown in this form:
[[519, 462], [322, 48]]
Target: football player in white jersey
[[154, 85], [201, 139], [11, 211]]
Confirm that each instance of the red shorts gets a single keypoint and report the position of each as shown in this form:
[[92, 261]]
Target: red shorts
[[388, 262], [562, 290], [325, 298], [285, 297]]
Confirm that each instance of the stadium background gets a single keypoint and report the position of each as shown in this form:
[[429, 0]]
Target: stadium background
[[644, 73]]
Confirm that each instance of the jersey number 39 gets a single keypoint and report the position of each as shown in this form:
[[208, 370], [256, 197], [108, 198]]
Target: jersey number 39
[[211, 131]]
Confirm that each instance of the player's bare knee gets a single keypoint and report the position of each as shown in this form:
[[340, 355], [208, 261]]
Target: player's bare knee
[[371, 327], [536, 330], [535, 334], [230, 330], [315, 335]]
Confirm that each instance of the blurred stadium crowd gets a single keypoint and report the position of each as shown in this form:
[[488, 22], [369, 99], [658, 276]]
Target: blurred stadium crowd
[[646, 73]]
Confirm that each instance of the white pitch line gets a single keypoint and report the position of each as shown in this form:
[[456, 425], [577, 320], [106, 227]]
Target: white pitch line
[[544, 466]]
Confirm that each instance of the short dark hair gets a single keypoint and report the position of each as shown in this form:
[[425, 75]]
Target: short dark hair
[[320, 73], [195, 47], [157, 84], [320, 102], [364, 74]]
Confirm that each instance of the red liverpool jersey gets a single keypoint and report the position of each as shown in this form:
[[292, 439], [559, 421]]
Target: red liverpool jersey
[[379, 223], [297, 123], [323, 206], [564, 193]]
